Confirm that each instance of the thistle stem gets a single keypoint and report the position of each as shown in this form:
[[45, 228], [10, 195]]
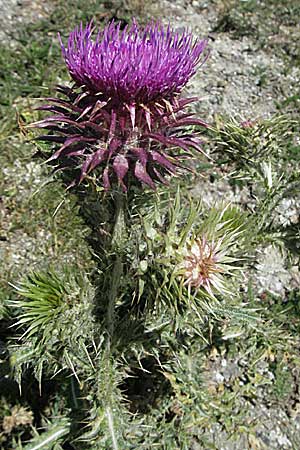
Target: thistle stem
[[112, 296], [111, 428], [119, 232], [117, 246]]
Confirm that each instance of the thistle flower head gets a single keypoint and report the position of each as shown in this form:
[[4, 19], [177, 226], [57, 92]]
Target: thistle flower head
[[124, 117], [191, 253], [203, 265], [207, 257]]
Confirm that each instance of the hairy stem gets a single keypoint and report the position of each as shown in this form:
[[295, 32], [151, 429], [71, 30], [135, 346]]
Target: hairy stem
[[117, 246], [113, 293], [118, 243], [119, 231], [111, 428]]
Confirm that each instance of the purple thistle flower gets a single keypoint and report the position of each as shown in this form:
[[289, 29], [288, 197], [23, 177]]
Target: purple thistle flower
[[124, 114]]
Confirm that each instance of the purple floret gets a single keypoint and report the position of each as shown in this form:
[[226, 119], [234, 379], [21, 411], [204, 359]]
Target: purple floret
[[135, 65]]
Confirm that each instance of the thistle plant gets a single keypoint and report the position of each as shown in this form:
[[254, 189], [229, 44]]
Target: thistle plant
[[121, 128], [136, 313], [123, 115]]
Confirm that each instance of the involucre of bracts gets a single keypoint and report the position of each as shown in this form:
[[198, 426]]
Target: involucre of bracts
[[124, 115]]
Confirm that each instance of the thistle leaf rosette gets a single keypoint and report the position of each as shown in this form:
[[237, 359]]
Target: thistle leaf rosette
[[124, 117]]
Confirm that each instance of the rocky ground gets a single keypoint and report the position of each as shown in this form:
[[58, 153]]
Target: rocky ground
[[16, 13], [243, 80]]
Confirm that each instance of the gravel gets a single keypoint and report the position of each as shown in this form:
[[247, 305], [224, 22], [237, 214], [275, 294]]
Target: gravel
[[17, 12]]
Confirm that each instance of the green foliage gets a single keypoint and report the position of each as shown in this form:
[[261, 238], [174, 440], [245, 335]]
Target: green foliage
[[51, 438], [167, 242], [259, 155], [3, 305], [248, 143], [283, 385], [51, 318], [46, 296]]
